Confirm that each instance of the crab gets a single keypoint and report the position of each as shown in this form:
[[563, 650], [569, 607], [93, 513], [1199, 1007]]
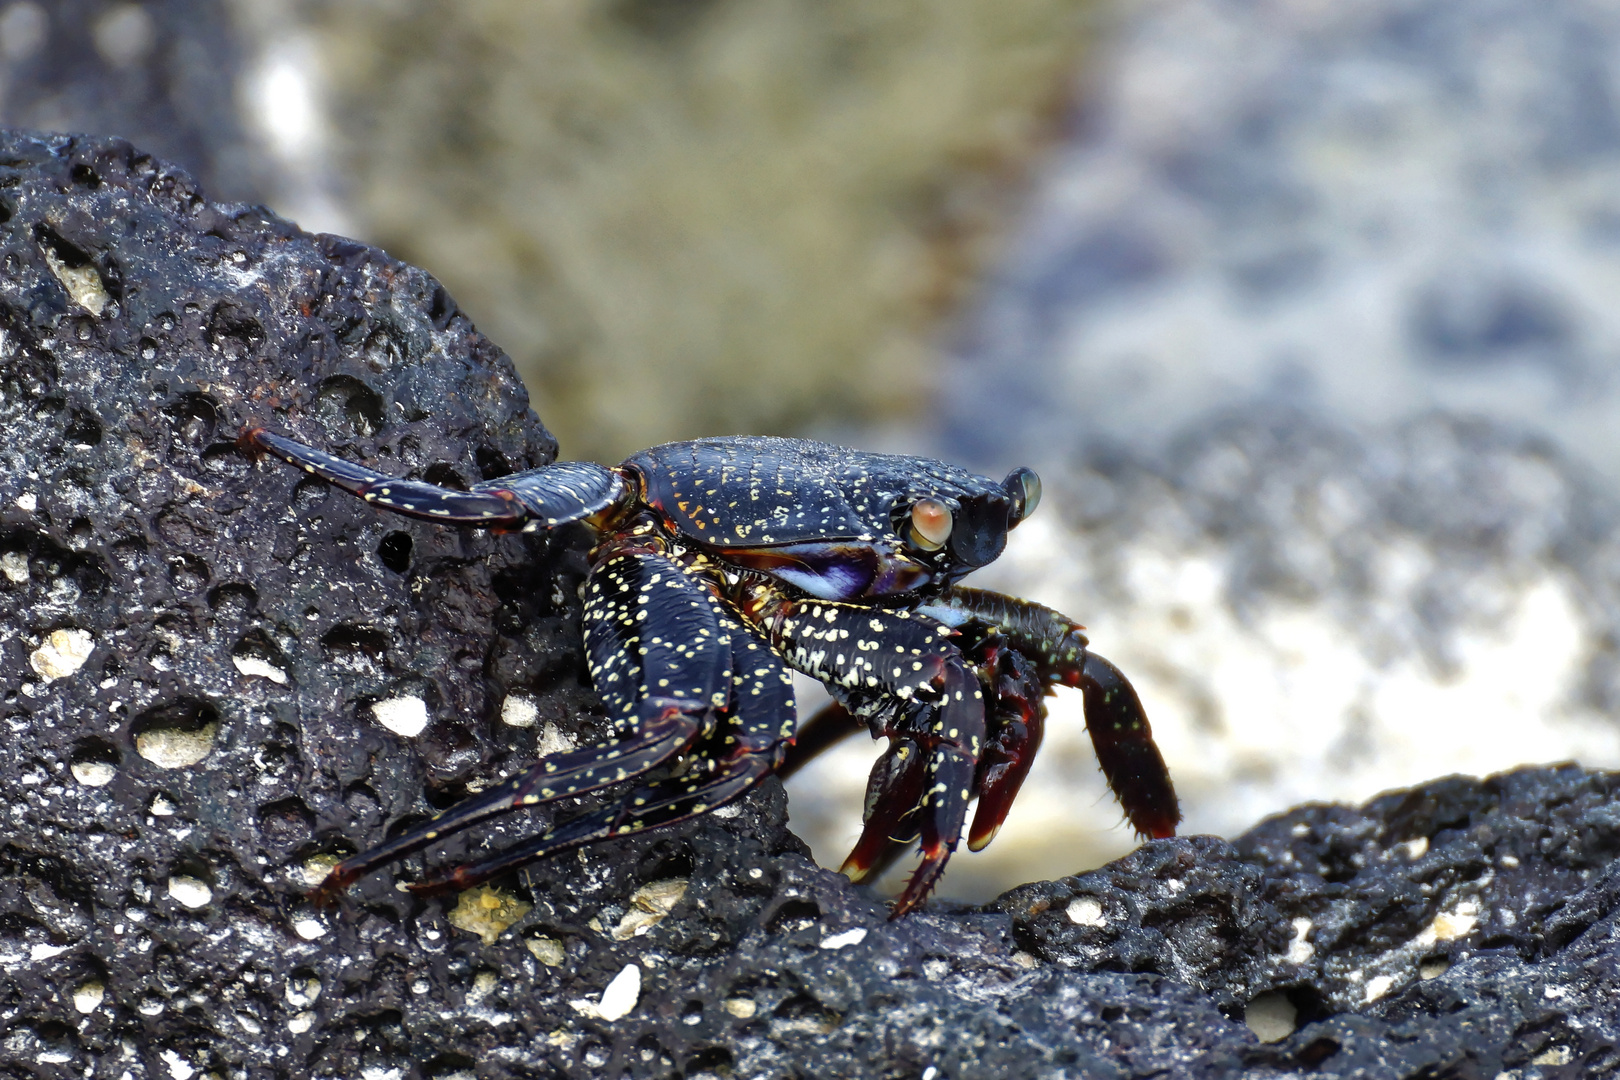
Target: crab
[[718, 566]]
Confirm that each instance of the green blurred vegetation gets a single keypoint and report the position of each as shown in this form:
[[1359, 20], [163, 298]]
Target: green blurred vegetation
[[699, 217]]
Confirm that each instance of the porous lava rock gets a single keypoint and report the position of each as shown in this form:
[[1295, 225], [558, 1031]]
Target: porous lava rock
[[211, 667]]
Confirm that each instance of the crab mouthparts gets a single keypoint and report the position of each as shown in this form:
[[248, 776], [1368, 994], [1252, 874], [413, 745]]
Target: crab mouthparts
[[835, 570]]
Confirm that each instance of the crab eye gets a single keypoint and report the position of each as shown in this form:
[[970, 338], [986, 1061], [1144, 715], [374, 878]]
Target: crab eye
[[930, 524], [1024, 488]]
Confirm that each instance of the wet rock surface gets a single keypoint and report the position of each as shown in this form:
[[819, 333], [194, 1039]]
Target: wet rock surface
[[194, 648]]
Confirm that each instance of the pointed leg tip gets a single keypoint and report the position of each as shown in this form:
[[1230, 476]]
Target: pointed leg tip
[[248, 440], [325, 895], [437, 887], [902, 908], [1157, 827], [978, 841], [853, 870]]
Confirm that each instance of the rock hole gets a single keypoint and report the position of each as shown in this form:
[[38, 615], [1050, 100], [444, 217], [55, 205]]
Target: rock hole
[[25, 376], [444, 476], [441, 308], [711, 1059], [803, 1015], [344, 402], [395, 551], [255, 654], [188, 573], [226, 459], [85, 175], [795, 915], [233, 599], [492, 463], [307, 494], [1308, 1002], [648, 1048], [233, 332], [356, 648], [130, 552], [361, 804], [673, 862], [194, 416], [177, 735], [83, 429], [74, 269], [94, 762], [1318, 1051], [5, 214], [286, 823], [450, 1067], [381, 351]]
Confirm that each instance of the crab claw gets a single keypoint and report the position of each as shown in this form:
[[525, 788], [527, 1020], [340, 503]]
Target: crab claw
[[892, 796], [1017, 727], [1125, 749], [921, 786]]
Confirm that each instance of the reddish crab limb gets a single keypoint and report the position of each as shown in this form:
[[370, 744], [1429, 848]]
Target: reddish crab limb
[[667, 728], [927, 775], [892, 795], [1017, 724], [1115, 719], [831, 725], [1126, 751]]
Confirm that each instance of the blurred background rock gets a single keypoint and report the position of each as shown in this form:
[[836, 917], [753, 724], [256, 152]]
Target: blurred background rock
[[1303, 310]]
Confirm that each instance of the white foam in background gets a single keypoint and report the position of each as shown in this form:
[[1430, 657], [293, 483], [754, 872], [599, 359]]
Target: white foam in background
[[1393, 226]]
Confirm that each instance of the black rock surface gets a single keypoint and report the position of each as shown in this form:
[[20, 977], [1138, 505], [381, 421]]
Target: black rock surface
[[192, 646]]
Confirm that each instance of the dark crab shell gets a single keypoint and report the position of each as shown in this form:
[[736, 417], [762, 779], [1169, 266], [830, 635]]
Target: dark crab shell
[[822, 517]]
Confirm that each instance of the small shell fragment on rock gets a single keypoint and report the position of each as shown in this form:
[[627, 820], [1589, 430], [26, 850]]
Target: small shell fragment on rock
[[619, 997], [63, 653], [487, 912]]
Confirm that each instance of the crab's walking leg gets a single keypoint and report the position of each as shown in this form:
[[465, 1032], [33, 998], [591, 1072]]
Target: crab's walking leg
[[830, 725], [936, 731], [921, 785], [1115, 719], [1017, 725], [741, 752], [658, 634], [539, 498]]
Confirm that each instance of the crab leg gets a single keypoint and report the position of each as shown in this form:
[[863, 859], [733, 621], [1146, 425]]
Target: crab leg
[[1118, 725], [667, 727], [831, 725], [553, 495], [936, 733], [746, 749], [647, 625], [920, 787], [1017, 725]]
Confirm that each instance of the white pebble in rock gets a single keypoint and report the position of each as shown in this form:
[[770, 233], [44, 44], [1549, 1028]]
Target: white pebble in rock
[[87, 996], [63, 653], [93, 773], [519, 711], [618, 998], [190, 892], [1086, 911], [171, 748], [406, 716]]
